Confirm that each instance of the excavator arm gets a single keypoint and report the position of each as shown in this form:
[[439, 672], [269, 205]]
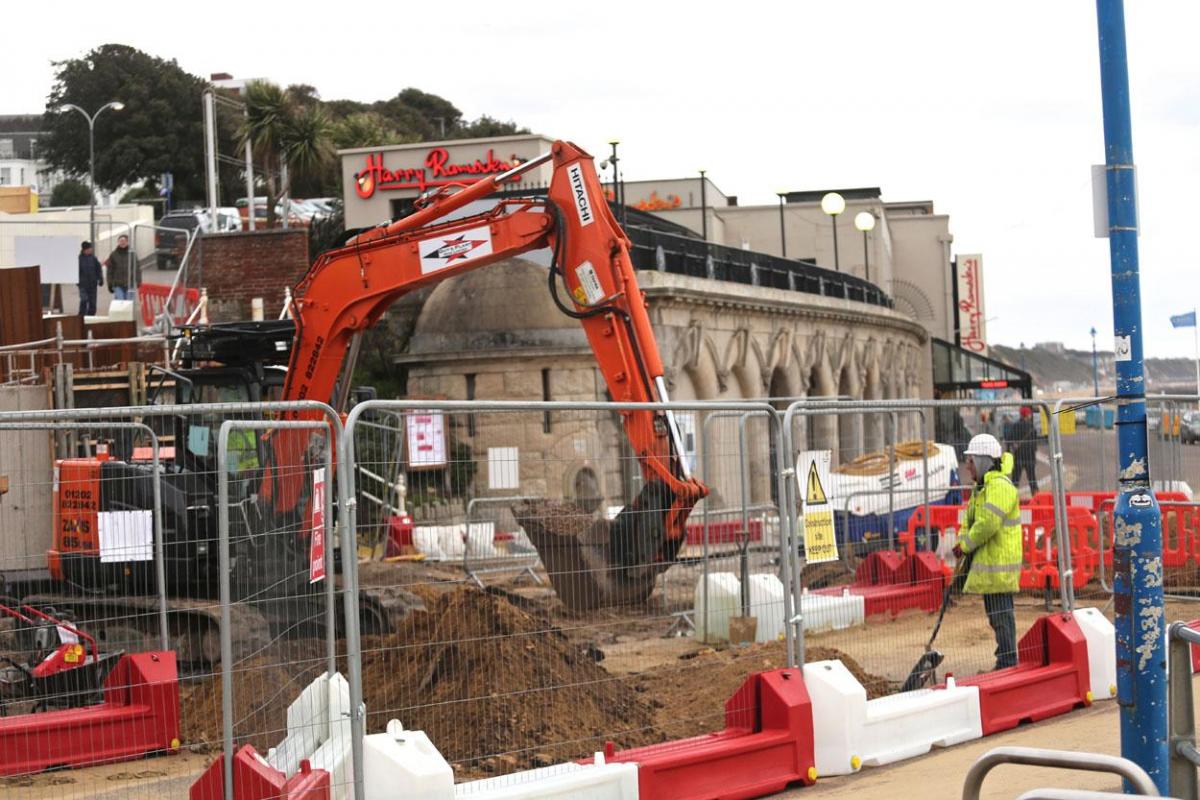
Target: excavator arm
[[591, 279]]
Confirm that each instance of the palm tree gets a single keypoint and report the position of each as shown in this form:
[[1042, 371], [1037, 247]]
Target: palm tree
[[284, 128]]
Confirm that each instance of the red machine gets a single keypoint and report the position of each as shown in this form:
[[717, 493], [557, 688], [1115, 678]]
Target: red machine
[[80, 707]]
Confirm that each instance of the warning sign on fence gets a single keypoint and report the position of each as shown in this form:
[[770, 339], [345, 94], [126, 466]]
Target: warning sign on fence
[[820, 533], [316, 550]]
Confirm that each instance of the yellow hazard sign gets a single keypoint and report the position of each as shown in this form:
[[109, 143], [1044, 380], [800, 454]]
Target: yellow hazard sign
[[820, 530], [815, 496]]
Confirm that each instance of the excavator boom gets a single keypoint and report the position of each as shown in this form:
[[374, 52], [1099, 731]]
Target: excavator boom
[[591, 279]]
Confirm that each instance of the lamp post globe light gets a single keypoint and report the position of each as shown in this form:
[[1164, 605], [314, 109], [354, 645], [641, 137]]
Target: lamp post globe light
[[865, 222], [834, 204], [115, 105]]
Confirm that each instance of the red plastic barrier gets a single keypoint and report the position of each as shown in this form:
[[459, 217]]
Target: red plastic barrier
[[767, 745], [1180, 529], [1051, 677], [139, 716], [1041, 553], [254, 779], [941, 519], [152, 297], [1093, 500], [890, 583], [723, 532]]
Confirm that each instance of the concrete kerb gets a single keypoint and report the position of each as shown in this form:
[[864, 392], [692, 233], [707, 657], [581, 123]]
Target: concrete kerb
[[495, 406], [160, 575]]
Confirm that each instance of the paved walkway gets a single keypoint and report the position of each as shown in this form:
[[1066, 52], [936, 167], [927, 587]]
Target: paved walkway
[[940, 774]]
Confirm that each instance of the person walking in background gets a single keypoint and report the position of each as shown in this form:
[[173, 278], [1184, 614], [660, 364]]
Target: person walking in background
[[1021, 438], [124, 275], [91, 275], [991, 540]]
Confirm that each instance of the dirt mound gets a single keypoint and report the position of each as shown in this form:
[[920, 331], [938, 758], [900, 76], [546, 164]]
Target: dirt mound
[[497, 688], [262, 691], [689, 697], [483, 677]]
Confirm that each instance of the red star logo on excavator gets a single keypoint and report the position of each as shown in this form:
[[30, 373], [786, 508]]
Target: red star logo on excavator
[[456, 249]]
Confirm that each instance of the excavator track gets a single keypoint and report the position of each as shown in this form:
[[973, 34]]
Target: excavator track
[[131, 623]]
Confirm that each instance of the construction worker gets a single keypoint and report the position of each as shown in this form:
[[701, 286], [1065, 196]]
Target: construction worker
[[991, 540]]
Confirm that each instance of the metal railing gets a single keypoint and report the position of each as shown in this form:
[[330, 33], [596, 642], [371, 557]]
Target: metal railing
[[1061, 759], [1184, 757]]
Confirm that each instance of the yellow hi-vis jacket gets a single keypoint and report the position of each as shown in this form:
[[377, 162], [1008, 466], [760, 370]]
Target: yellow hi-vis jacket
[[992, 531]]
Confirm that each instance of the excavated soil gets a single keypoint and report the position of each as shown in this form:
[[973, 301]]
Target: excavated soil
[[498, 688], [481, 676]]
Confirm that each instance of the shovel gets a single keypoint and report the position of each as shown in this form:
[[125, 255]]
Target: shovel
[[924, 671]]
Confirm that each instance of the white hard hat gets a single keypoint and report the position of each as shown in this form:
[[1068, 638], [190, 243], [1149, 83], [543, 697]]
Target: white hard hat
[[984, 444]]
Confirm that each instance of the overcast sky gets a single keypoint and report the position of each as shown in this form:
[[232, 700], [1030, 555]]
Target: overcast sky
[[991, 110]]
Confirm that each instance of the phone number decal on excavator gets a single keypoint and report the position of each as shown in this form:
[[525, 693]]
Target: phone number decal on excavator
[[444, 251]]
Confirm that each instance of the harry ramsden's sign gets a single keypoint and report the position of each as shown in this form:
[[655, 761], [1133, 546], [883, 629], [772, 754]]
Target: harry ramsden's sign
[[437, 170]]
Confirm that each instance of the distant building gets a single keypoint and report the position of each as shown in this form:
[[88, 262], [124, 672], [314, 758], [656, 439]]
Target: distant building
[[20, 161]]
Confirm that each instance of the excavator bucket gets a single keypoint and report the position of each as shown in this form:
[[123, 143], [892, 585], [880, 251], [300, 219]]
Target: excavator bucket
[[595, 563]]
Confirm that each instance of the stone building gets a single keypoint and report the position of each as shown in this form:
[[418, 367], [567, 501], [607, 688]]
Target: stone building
[[496, 334]]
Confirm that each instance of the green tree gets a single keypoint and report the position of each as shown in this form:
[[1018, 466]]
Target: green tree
[[366, 129], [284, 128], [71, 193], [159, 130]]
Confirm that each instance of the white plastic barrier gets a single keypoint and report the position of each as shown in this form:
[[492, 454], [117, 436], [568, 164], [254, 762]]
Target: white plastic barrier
[[318, 730], [824, 612], [850, 732], [724, 601], [404, 764], [821, 612], [598, 781], [1102, 652]]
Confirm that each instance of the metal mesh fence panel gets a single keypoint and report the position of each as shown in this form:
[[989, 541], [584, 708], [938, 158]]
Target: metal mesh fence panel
[[96, 501], [899, 513], [557, 633]]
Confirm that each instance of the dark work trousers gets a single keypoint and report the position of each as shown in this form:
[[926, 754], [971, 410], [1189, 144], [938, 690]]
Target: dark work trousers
[[1021, 466], [1003, 619], [87, 300]]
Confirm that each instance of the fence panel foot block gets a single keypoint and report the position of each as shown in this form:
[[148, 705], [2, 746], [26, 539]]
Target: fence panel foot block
[[850, 732], [767, 745], [1051, 677]]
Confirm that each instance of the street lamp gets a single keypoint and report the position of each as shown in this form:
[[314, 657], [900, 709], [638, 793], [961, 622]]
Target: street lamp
[[1095, 368], [865, 222], [834, 204], [115, 105], [703, 209], [618, 194], [782, 234]]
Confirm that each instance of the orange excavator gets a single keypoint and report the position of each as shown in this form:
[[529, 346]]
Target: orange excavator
[[348, 289], [591, 278]]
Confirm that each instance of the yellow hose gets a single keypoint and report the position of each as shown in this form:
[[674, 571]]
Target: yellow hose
[[877, 463]]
